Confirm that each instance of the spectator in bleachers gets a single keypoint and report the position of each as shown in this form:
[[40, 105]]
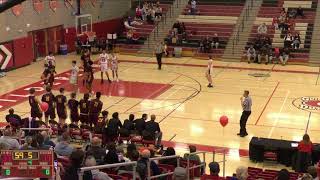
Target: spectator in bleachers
[[214, 169], [130, 36], [8, 141], [283, 13], [296, 41], [150, 15], [215, 41], [287, 40], [292, 13], [169, 152], [305, 148], [47, 140], [28, 144], [262, 29], [13, 119], [305, 176], [114, 125], [251, 53], [158, 13], [139, 13], [242, 173], [30, 123], [193, 9], [96, 150], [96, 174], [140, 124], [63, 147], [176, 26], [111, 156], [283, 174], [154, 129], [127, 25], [300, 12], [274, 54], [40, 141], [275, 23], [130, 149], [71, 172], [282, 23], [192, 157], [142, 165], [180, 173], [284, 55], [264, 53], [312, 170]]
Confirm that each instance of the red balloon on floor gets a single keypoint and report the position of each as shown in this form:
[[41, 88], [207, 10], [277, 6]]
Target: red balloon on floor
[[44, 106], [224, 120]]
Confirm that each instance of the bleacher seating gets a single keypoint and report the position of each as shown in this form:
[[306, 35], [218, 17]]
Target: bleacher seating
[[212, 17], [143, 31], [271, 9]]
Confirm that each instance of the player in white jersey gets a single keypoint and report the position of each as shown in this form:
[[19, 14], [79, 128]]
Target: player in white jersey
[[104, 64], [49, 58], [114, 66], [74, 76], [209, 71]]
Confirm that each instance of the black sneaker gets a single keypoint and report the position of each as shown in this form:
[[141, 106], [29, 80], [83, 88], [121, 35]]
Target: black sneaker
[[210, 86], [101, 81], [109, 81]]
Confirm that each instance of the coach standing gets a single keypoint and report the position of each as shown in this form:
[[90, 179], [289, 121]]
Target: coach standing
[[159, 51], [246, 104]]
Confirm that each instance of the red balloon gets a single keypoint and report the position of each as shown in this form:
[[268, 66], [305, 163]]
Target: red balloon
[[44, 106], [224, 120]]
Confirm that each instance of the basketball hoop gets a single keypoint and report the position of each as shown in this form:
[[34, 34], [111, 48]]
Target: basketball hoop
[[91, 35]]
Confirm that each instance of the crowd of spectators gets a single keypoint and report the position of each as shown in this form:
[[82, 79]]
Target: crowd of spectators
[[261, 47]]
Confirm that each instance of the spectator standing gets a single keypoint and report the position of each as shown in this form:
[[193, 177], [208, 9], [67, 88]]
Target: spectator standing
[[140, 124], [251, 53], [305, 148], [246, 104], [154, 128], [113, 126], [13, 119]]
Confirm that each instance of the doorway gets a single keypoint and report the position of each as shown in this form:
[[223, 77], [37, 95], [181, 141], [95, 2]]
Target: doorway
[[47, 40]]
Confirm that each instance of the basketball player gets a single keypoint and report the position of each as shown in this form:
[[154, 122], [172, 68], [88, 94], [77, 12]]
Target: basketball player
[[73, 107], [104, 62], [48, 75], [61, 104], [95, 108], [246, 104], [90, 77], [74, 76], [209, 71], [84, 109], [49, 58], [85, 58], [49, 98], [34, 104], [114, 66]]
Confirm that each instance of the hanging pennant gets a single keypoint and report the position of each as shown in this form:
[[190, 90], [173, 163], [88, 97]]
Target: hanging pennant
[[17, 10], [68, 3], [53, 5], [82, 3], [38, 5]]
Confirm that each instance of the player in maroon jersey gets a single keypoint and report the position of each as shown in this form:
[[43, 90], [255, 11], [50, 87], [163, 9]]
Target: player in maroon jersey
[[48, 75], [73, 106], [84, 109], [90, 77], [85, 58], [95, 109], [49, 98], [34, 104], [61, 104]]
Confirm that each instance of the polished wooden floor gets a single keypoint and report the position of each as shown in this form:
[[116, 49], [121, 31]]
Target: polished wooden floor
[[189, 111]]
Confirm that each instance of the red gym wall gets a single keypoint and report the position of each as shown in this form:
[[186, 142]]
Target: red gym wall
[[22, 48]]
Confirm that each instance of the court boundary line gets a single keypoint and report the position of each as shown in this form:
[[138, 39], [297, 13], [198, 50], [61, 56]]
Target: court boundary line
[[226, 67], [318, 77], [265, 106]]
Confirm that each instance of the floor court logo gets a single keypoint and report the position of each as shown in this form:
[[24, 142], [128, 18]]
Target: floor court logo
[[311, 104]]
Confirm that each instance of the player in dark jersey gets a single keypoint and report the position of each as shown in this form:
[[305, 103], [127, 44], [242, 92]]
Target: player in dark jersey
[[61, 104], [34, 104], [84, 109], [95, 109], [48, 75], [73, 106], [49, 98], [90, 77], [85, 58]]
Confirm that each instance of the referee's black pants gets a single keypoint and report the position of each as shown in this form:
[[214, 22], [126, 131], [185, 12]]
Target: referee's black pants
[[243, 122], [159, 60]]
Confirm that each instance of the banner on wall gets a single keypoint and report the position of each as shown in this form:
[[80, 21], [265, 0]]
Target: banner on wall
[[17, 10], [53, 5], [68, 3], [6, 60], [38, 5]]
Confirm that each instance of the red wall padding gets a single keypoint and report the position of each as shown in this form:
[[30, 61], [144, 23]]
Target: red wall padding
[[9, 47], [23, 51], [105, 27], [70, 38]]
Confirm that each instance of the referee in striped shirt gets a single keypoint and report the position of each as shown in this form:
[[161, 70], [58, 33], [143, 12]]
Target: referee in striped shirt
[[158, 50], [246, 104]]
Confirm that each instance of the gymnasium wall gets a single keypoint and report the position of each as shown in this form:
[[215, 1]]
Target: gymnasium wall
[[106, 15]]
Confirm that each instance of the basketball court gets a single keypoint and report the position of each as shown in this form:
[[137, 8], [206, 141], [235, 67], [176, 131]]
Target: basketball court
[[285, 100]]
